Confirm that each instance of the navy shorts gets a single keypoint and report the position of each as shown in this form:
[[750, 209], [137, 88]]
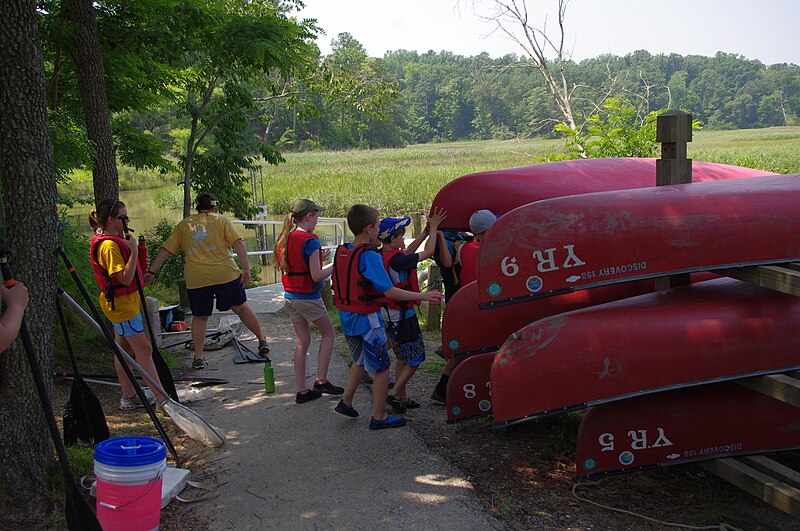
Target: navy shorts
[[228, 295]]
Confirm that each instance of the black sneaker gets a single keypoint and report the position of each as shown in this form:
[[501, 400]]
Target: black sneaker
[[307, 396], [344, 409], [328, 388], [263, 348], [396, 403], [410, 403], [438, 396]]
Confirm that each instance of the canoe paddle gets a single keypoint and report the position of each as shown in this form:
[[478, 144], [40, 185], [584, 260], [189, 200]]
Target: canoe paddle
[[91, 421], [184, 418], [194, 381], [128, 372], [162, 369], [79, 514]]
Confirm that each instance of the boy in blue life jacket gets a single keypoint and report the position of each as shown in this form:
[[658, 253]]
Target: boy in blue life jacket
[[400, 317], [360, 285]]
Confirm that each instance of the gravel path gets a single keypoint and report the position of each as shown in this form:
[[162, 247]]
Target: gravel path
[[303, 466]]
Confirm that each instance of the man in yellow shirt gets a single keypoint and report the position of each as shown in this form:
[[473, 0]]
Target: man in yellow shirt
[[210, 271]]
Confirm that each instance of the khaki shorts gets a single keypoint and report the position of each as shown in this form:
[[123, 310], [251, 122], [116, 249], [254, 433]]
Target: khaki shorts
[[308, 309]]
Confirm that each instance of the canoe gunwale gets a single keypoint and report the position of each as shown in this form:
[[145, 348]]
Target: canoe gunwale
[[543, 295], [643, 392]]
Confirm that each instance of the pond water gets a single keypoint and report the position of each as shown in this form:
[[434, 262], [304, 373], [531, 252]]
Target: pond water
[[145, 215]]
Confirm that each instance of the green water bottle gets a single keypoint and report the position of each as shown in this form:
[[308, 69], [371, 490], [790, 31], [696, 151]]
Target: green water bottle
[[269, 378]]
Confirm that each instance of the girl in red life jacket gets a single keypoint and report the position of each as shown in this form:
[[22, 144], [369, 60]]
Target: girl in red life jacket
[[300, 257], [114, 261]]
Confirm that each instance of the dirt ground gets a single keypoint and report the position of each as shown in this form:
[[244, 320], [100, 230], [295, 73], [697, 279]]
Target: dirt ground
[[523, 475]]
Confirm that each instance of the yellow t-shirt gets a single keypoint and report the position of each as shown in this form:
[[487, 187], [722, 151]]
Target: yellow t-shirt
[[205, 240], [127, 306]]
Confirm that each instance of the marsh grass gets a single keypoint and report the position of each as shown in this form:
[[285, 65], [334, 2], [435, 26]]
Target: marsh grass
[[399, 181]]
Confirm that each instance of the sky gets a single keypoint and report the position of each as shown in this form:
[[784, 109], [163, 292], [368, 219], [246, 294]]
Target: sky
[[765, 29]]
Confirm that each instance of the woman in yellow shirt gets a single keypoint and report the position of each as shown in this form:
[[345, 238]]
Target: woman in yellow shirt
[[114, 261]]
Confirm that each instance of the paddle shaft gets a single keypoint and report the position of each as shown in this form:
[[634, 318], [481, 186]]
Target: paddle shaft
[[164, 373], [78, 511], [198, 379], [110, 339]]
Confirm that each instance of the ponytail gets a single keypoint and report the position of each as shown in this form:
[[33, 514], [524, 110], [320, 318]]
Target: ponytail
[[282, 243]]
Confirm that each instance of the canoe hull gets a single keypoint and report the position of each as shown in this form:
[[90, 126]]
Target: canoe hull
[[582, 241], [503, 190], [681, 426], [468, 393], [711, 331]]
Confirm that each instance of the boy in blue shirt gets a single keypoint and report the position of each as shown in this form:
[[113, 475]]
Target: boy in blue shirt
[[360, 284]]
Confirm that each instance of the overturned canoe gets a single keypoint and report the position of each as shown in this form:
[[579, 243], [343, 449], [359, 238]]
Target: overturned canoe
[[710, 331], [682, 426], [503, 190], [466, 330], [590, 240], [468, 395]]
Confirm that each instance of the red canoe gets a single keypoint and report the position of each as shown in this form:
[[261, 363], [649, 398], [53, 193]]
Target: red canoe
[[681, 426], [471, 333], [711, 331], [466, 330], [583, 241], [503, 190], [468, 394]]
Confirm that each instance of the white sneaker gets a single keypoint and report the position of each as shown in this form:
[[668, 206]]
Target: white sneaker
[[129, 404]]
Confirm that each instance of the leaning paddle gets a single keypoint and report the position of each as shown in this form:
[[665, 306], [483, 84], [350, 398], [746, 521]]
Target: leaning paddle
[[194, 381], [162, 369], [91, 420], [79, 514], [110, 338], [184, 418]]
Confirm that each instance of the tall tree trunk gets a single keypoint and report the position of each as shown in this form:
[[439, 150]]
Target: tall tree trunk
[[92, 86], [31, 222]]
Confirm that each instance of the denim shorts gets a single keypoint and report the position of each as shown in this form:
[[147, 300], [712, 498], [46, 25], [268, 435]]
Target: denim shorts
[[131, 327], [228, 295], [370, 350]]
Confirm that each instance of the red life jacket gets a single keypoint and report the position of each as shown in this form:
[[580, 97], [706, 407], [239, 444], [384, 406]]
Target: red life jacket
[[353, 292], [298, 278], [110, 286], [409, 284]]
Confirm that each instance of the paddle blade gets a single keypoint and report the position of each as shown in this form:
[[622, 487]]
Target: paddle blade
[[91, 421], [193, 424]]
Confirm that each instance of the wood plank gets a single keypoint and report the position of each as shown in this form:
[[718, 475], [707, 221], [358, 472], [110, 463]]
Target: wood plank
[[779, 386], [773, 468], [785, 279], [763, 486]]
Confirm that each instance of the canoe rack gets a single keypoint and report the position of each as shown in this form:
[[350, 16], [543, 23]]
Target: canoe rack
[[762, 477]]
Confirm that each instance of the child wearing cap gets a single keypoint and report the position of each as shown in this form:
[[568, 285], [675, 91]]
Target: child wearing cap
[[479, 222], [360, 284], [300, 257], [402, 325]]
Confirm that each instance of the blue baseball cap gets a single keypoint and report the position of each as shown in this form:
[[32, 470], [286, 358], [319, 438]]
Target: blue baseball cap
[[390, 226]]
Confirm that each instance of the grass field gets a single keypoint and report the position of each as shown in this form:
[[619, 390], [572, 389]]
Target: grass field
[[399, 181]]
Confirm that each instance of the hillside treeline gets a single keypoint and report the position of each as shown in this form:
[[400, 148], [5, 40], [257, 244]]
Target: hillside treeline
[[445, 97]]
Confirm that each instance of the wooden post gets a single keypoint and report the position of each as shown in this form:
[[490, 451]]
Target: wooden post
[[416, 224], [674, 131], [433, 313]]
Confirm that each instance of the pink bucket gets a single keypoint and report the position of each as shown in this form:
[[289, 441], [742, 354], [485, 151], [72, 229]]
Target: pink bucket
[[129, 471]]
